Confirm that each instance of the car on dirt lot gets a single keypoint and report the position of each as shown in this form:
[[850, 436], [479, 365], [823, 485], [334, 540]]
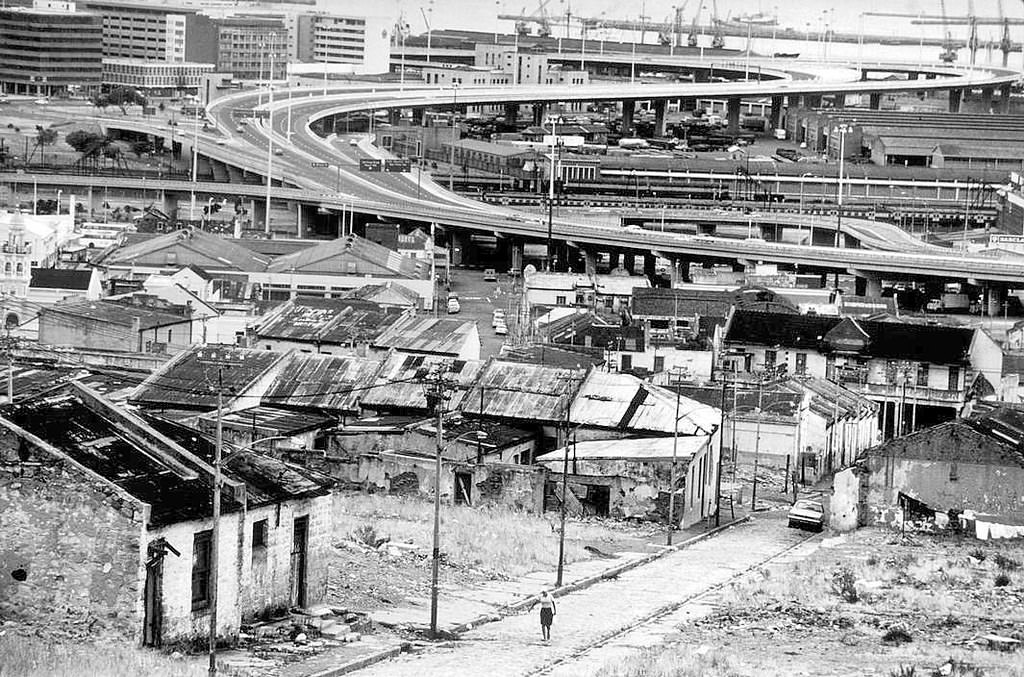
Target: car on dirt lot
[[501, 329], [497, 317], [807, 514]]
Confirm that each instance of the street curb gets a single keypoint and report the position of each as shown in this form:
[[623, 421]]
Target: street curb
[[363, 662], [528, 602]]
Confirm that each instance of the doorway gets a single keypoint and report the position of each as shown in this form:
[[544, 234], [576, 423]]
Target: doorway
[[153, 602], [463, 488], [300, 537]]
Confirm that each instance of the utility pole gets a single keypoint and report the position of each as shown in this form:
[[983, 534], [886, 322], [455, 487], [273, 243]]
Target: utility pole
[[672, 474], [436, 395], [565, 481], [721, 436], [218, 360], [757, 441]]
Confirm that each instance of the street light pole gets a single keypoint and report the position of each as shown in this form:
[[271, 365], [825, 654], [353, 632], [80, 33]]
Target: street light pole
[[551, 192], [842, 129], [451, 154], [672, 474], [270, 140]]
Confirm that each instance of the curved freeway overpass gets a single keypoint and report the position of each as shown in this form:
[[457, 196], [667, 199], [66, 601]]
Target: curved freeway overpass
[[415, 196]]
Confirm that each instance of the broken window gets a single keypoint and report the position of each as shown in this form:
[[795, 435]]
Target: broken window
[[259, 534], [954, 473], [201, 551]]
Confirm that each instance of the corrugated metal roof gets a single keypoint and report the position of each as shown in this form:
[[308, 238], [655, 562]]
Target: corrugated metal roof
[[523, 391], [351, 255], [326, 382], [268, 421], [631, 449], [624, 402], [400, 382], [185, 247], [427, 335], [328, 321], [190, 379]]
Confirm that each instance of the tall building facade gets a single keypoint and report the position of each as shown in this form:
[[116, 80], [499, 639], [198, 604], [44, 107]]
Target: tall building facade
[[49, 49]]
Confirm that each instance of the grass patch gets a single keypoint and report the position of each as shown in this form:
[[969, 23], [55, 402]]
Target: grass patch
[[495, 539], [1006, 563], [676, 660], [37, 657]]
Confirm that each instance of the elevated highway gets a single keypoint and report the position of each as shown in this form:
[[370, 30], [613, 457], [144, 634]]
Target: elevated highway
[[416, 197]]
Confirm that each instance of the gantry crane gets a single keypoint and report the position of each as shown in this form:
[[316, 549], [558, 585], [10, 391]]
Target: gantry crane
[[949, 46], [676, 21]]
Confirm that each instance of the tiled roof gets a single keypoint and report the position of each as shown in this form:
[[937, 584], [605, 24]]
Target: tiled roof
[[426, 335], [890, 340], [352, 255]]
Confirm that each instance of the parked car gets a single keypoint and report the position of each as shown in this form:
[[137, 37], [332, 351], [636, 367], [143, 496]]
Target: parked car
[[497, 317], [490, 275], [42, 101], [453, 306], [501, 329], [807, 514]]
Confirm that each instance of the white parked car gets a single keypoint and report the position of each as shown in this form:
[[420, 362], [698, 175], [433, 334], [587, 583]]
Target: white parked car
[[497, 317], [501, 329], [807, 514], [453, 306]]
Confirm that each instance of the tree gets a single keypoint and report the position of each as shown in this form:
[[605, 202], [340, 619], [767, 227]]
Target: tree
[[83, 141], [124, 97], [140, 148], [44, 136]]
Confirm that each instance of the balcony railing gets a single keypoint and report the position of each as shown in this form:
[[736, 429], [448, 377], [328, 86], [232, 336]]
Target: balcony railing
[[911, 393]]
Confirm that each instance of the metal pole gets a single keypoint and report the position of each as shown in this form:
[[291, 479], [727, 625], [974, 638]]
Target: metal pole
[[721, 436], [672, 476], [967, 216], [839, 196], [214, 536], [10, 368], [565, 489], [195, 164], [270, 141], [551, 193], [436, 551], [757, 445]]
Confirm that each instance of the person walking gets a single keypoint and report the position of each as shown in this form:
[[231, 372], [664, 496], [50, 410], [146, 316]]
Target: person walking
[[547, 612]]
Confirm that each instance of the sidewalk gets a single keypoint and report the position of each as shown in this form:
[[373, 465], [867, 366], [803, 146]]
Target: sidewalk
[[463, 608]]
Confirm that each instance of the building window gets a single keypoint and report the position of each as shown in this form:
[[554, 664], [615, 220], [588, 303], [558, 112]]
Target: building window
[[769, 359], [954, 379], [201, 551], [559, 300], [801, 363], [659, 364], [259, 534], [954, 473], [922, 375]]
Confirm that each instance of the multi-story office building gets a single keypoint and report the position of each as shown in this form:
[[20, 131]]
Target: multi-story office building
[[237, 36], [154, 77], [49, 49]]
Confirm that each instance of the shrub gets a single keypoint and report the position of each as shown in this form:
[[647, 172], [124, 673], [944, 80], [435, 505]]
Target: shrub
[[978, 554], [872, 561], [1006, 563], [367, 535], [904, 671], [1002, 580], [896, 635], [844, 585]]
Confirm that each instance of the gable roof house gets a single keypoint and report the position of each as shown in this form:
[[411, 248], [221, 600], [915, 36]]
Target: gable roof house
[[118, 326], [424, 335], [919, 373], [336, 266], [970, 466], [181, 248], [109, 516]]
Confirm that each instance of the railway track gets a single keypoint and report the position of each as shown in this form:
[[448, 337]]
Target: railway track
[[663, 611]]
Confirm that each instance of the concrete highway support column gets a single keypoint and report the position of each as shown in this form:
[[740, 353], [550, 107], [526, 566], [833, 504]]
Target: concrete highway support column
[[511, 112], [732, 115], [813, 101], [1004, 99], [679, 271], [995, 297], [419, 116], [627, 116], [864, 74], [517, 255], [986, 99], [395, 116], [589, 262], [874, 101], [650, 266], [660, 106], [538, 113], [775, 117], [613, 259], [304, 217], [955, 97], [628, 261], [872, 286], [258, 211], [169, 200]]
